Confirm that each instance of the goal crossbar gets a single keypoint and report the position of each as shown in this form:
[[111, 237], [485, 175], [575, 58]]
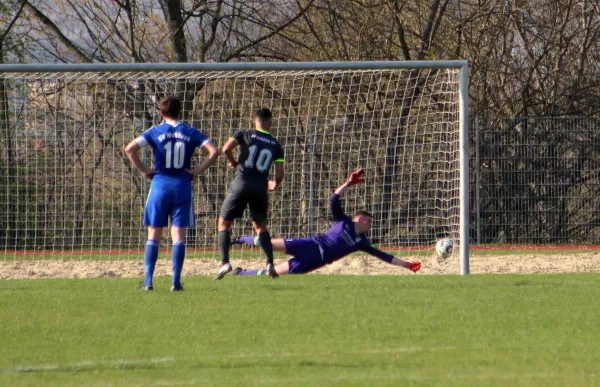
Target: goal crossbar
[[238, 66]]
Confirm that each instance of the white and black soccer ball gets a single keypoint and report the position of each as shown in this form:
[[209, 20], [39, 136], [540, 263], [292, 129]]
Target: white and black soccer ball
[[444, 247]]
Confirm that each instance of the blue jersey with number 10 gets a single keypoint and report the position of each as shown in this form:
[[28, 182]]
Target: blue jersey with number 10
[[173, 147]]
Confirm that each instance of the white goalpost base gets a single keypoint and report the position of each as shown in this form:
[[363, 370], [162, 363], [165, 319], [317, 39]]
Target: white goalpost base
[[67, 190]]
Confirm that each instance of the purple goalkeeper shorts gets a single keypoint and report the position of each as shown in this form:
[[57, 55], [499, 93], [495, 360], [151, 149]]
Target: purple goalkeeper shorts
[[306, 253]]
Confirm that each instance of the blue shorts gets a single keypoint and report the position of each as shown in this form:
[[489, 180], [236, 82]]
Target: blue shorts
[[306, 255], [164, 202]]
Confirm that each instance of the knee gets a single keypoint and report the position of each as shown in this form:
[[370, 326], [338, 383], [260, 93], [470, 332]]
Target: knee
[[178, 233], [154, 234], [260, 227], [224, 225]]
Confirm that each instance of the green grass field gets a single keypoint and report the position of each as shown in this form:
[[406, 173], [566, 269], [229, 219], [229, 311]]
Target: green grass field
[[484, 330]]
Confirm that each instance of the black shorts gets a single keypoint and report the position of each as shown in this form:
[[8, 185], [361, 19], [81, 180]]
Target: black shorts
[[243, 194]]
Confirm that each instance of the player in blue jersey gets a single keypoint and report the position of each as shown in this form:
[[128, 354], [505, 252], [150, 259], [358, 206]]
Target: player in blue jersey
[[173, 143], [346, 236]]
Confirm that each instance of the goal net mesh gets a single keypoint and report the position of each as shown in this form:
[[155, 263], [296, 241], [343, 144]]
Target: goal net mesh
[[68, 191]]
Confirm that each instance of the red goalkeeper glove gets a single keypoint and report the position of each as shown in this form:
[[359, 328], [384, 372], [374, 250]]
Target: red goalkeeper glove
[[356, 177], [413, 266]]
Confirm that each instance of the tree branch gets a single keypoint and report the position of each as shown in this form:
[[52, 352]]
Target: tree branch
[[12, 23], [271, 34], [71, 47]]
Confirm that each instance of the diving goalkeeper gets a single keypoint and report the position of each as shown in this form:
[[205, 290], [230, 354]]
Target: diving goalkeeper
[[346, 236]]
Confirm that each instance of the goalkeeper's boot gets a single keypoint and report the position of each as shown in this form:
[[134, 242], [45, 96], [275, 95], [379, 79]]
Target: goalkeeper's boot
[[177, 288], [237, 271], [236, 241], [226, 268], [146, 288], [271, 272]]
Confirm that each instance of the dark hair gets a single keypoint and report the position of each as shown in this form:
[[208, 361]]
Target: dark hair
[[263, 114], [363, 213], [170, 107]]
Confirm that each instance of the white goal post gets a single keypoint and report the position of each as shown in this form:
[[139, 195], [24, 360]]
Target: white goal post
[[67, 191]]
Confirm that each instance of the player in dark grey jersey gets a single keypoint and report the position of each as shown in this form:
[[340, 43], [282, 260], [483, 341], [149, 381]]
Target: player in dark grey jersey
[[258, 151]]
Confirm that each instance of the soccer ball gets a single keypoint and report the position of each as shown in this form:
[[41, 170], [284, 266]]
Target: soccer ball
[[443, 248]]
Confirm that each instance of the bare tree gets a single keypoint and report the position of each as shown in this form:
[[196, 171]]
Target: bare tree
[[9, 15], [7, 44]]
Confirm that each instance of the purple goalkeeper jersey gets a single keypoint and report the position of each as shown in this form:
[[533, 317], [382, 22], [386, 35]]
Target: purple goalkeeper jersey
[[341, 238]]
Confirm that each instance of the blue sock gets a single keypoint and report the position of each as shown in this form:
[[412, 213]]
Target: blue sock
[[251, 272], [177, 255], [150, 257], [249, 240]]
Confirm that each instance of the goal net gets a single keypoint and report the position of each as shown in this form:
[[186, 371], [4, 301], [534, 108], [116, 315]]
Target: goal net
[[68, 191]]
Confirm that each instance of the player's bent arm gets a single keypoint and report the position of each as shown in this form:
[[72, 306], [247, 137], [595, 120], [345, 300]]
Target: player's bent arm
[[414, 266], [228, 148], [209, 160], [279, 175], [131, 150]]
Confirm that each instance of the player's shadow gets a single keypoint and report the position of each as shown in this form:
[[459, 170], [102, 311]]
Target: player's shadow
[[262, 363], [317, 364], [12, 289], [81, 368], [225, 366], [281, 288]]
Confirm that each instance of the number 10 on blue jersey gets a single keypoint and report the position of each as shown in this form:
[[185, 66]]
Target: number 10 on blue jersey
[[174, 155]]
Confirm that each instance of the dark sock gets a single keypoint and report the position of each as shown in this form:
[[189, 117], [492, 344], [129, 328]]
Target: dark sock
[[264, 240], [249, 240], [224, 243]]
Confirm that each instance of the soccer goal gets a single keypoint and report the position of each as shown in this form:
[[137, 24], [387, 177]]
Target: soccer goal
[[68, 191]]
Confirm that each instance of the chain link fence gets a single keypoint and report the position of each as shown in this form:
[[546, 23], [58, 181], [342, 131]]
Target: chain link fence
[[536, 180]]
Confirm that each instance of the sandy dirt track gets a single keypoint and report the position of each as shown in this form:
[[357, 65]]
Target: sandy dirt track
[[539, 262]]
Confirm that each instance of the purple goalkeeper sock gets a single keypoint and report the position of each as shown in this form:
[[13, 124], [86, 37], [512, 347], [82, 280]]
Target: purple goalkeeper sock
[[251, 272], [249, 240]]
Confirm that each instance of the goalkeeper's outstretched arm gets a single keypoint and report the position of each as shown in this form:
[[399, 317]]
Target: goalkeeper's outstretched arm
[[413, 266], [356, 177]]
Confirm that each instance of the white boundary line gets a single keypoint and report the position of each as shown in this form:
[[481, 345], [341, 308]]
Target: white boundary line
[[86, 364], [170, 359]]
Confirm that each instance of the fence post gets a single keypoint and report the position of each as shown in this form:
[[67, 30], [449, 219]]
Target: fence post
[[477, 179], [311, 184]]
